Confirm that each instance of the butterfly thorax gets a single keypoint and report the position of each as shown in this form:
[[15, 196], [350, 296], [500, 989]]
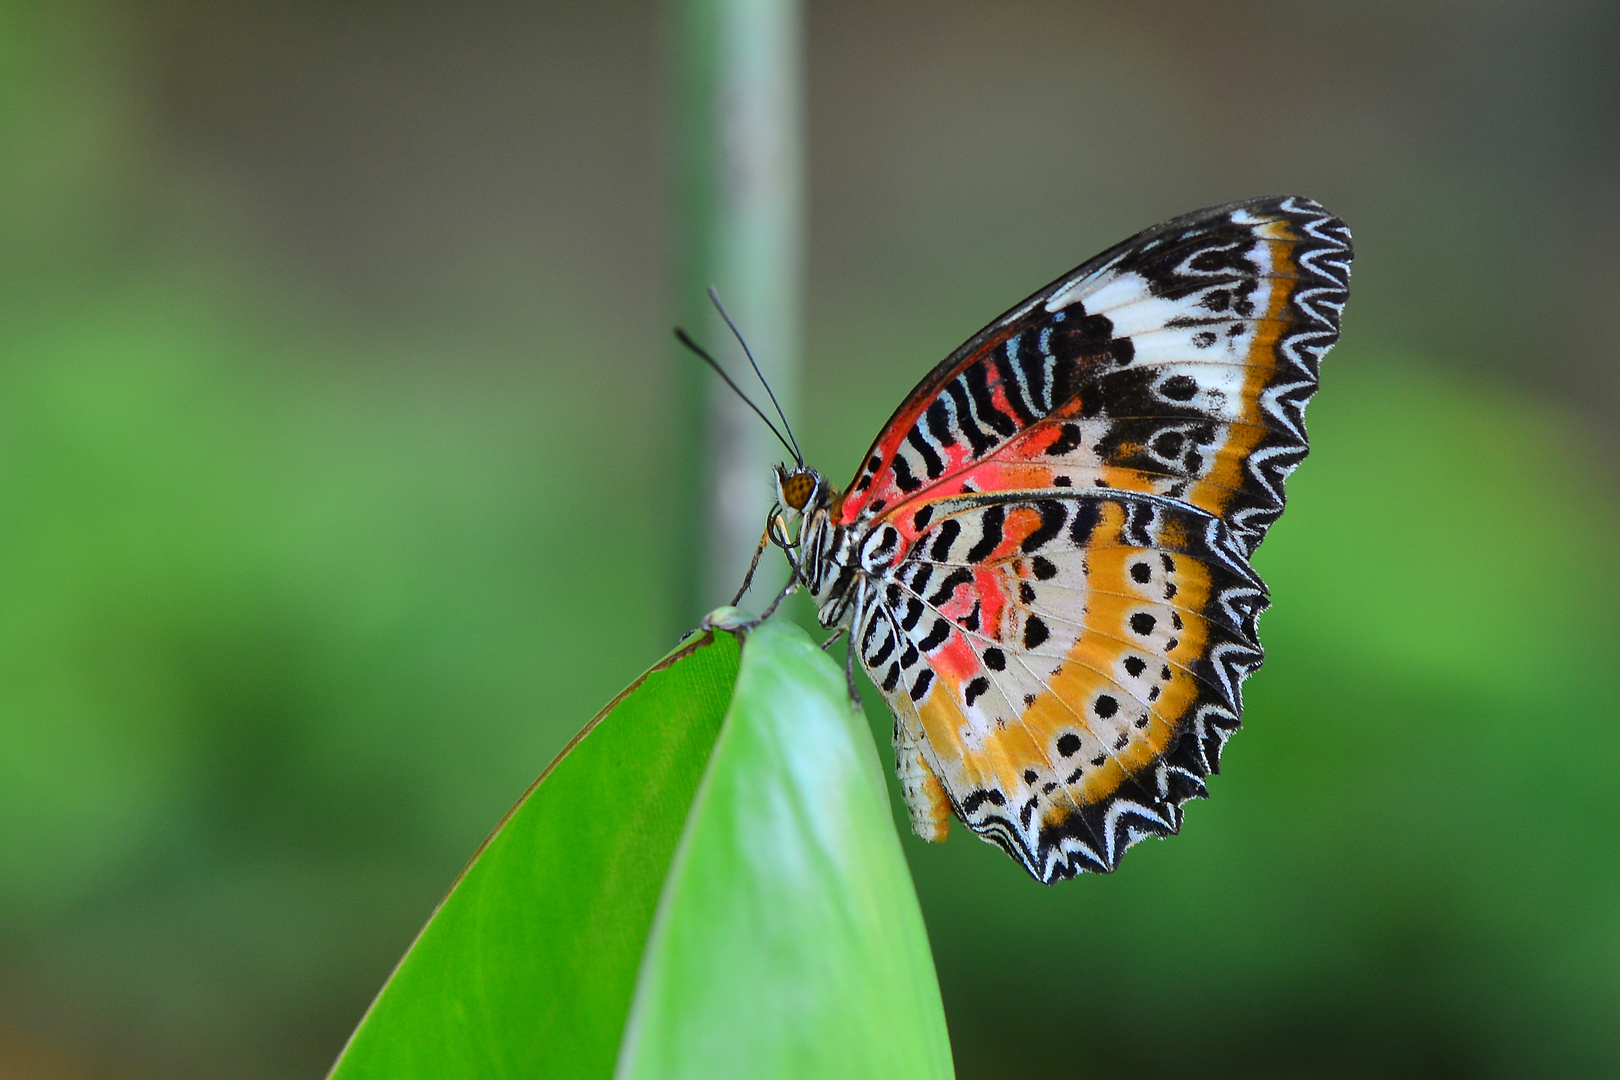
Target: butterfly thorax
[[826, 552]]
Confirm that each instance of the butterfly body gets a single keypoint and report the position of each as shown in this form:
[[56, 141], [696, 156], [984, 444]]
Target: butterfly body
[[1044, 557]]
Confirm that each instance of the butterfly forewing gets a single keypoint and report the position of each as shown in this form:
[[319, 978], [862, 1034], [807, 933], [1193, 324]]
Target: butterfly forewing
[[1178, 363], [1070, 501]]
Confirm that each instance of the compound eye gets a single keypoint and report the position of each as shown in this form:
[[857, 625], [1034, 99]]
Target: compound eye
[[796, 489]]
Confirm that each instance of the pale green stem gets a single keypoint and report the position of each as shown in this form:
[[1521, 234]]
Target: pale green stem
[[741, 229]]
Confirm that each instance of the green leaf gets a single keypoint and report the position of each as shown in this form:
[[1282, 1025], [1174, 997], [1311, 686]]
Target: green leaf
[[788, 941], [528, 966]]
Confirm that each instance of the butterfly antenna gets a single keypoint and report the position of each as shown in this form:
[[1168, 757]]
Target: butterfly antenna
[[686, 340], [714, 297]]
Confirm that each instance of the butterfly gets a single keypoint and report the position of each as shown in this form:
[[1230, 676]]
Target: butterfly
[[1043, 561]]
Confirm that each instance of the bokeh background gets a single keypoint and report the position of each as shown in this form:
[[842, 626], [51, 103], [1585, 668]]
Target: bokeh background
[[333, 385]]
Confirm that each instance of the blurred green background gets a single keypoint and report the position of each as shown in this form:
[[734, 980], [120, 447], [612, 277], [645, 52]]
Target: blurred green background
[[333, 386]]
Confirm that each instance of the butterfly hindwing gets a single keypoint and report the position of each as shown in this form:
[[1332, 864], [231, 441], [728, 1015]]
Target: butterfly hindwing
[[1178, 363], [1063, 666]]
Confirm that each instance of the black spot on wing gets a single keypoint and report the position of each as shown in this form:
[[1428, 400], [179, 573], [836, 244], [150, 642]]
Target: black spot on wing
[[959, 576], [978, 798], [936, 636], [991, 521], [1169, 444], [902, 475], [1054, 514], [1178, 388], [1035, 632], [1031, 363], [976, 436], [940, 549], [914, 610], [1068, 440], [970, 621], [932, 464], [1027, 810], [984, 406], [919, 689], [938, 419], [1011, 391], [1233, 257], [1084, 521]]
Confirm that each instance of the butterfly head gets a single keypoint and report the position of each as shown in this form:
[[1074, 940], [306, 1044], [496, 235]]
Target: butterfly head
[[800, 490]]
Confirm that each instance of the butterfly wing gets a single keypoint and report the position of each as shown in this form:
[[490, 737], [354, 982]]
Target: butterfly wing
[[1063, 669], [1136, 417], [1177, 363]]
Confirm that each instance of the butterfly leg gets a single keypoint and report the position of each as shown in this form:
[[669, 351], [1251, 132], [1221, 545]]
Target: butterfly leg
[[774, 533], [787, 591], [849, 655], [832, 639], [849, 676], [753, 564]]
